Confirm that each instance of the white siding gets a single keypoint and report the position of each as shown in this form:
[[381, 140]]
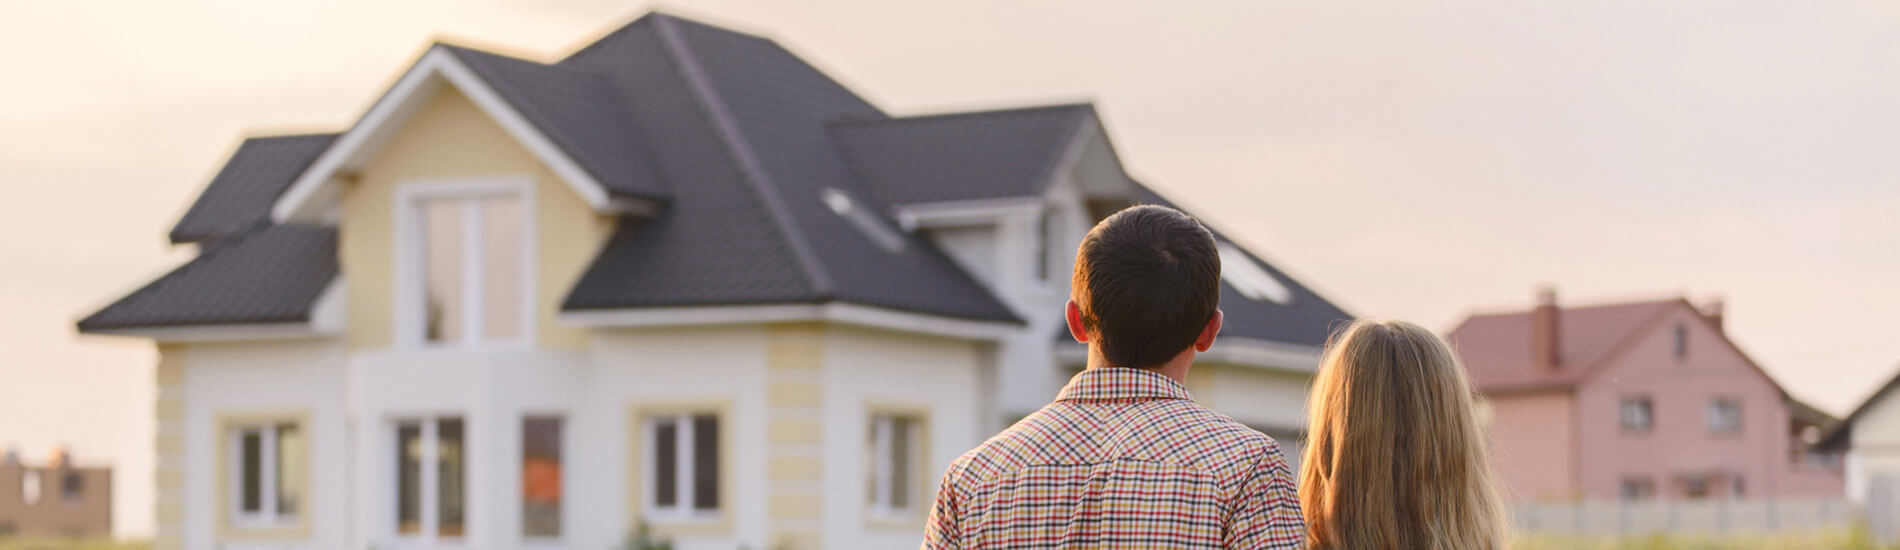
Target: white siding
[[864, 367], [305, 377]]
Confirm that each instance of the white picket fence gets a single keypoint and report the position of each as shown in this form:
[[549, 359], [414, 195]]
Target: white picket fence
[[1693, 516]]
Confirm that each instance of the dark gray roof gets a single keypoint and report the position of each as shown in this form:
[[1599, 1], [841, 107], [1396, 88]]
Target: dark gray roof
[[738, 140], [980, 155], [240, 196], [582, 112], [739, 123], [270, 274]]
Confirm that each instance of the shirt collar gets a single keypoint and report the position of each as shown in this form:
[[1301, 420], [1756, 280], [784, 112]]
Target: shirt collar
[[1108, 383]]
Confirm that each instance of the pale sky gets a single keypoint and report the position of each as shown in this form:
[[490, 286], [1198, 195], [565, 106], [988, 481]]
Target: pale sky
[[1409, 160]]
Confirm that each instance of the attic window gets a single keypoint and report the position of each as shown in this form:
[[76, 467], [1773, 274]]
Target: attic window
[[1249, 278], [866, 221]]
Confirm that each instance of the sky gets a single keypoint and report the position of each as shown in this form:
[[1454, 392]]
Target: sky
[[1409, 160]]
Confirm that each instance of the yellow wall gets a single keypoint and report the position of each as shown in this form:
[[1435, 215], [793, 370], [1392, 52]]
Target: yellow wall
[[449, 138]]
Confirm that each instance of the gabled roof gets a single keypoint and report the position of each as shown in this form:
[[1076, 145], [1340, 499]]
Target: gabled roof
[[269, 274], [240, 196], [1496, 348], [744, 152], [962, 156], [582, 112], [1841, 435]]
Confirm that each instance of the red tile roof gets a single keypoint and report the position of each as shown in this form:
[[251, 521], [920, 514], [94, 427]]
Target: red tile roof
[[1496, 348]]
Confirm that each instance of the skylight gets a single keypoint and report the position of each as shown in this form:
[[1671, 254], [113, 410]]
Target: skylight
[[866, 221], [1249, 278]]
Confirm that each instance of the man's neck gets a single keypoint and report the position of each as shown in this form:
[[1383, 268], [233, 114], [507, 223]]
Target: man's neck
[[1175, 369]]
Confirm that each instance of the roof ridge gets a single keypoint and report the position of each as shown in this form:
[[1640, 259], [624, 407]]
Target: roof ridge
[[889, 119], [750, 168]]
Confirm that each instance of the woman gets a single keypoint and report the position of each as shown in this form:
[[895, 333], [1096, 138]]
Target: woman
[[1395, 457]]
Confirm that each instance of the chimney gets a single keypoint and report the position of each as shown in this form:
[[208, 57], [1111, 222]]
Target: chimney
[[1713, 311], [1544, 330]]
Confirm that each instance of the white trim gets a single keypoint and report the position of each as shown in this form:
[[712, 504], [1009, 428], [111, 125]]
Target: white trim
[[408, 248], [685, 508], [1231, 350], [309, 197], [964, 212], [268, 515], [850, 314], [249, 332]]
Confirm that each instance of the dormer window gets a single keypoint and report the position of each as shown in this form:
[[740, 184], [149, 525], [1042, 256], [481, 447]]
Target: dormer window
[[1239, 270], [1681, 338], [468, 262]]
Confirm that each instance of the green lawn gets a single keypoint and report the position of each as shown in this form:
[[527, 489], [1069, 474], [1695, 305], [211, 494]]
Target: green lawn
[[1838, 540]]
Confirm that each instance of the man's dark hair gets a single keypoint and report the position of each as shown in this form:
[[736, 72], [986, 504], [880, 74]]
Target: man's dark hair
[[1147, 280]]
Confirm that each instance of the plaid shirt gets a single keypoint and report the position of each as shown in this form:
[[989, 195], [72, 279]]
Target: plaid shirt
[[1123, 459]]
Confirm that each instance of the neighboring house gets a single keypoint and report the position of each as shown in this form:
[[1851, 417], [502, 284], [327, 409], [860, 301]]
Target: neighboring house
[[55, 500], [1636, 401], [678, 277], [1870, 436]]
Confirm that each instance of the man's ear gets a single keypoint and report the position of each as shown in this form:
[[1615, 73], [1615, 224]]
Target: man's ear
[[1206, 339], [1076, 330]]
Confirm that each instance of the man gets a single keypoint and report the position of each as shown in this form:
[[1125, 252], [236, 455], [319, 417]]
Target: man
[[1124, 458]]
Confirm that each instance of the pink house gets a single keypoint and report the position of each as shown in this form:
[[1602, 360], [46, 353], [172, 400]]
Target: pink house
[[1636, 401]]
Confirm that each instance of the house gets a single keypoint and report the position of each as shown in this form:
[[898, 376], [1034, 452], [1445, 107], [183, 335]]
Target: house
[[59, 499], [677, 278], [1870, 437], [1636, 401]]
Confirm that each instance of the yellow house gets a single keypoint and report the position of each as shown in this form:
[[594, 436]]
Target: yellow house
[[678, 278]]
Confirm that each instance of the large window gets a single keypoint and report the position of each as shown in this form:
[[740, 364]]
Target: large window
[[267, 473], [431, 478], [895, 459], [1635, 414], [682, 461], [541, 476], [1725, 416], [473, 262]]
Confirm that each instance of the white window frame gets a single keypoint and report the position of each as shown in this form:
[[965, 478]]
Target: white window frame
[[428, 484], [683, 508], [267, 515], [411, 266], [882, 467]]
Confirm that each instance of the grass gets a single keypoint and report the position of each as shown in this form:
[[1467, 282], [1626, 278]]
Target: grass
[[1844, 539], [13, 543]]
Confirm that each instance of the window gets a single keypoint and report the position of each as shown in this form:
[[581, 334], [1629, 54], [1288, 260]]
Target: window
[[1637, 488], [1048, 231], [1253, 281], [1736, 487], [266, 480], [30, 487], [1681, 339], [1725, 416], [473, 265], [1696, 487], [1635, 414], [895, 461], [683, 465], [541, 476], [431, 478], [865, 220], [72, 487]]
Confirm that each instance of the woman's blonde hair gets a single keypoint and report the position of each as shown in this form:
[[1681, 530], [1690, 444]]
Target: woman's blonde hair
[[1395, 457]]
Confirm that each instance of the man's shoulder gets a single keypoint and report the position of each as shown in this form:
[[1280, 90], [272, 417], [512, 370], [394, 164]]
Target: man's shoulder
[[1217, 437]]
